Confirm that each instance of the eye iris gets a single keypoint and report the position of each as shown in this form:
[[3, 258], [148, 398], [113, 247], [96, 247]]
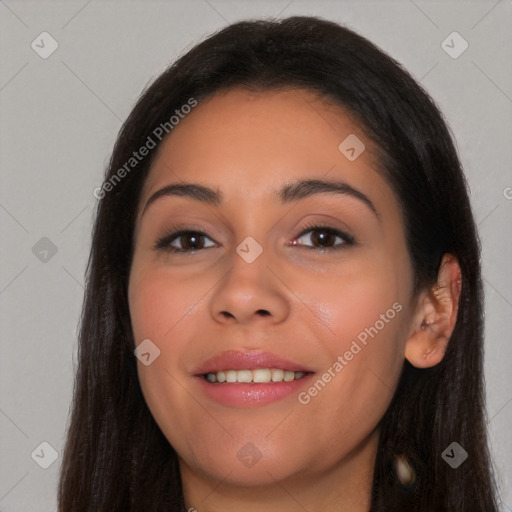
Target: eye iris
[[323, 236], [196, 241]]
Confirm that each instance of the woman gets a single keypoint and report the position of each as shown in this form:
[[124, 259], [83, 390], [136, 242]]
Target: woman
[[283, 307]]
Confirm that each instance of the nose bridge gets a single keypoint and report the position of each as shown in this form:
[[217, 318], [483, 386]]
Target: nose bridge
[[249, 288], [249, 267]]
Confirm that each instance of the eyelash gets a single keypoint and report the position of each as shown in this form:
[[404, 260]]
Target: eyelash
[[164, 242]]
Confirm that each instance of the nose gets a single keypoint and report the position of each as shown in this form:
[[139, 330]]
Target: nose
[[250, 292]]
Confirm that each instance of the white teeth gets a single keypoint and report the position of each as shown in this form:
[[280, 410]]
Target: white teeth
[[244, 376], [230, 375], [288, 376], [277, 375], [260, 375]]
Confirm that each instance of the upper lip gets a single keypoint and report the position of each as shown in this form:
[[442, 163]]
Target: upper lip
[[248, 360]]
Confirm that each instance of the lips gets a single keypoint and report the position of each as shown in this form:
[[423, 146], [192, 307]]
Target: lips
[[236, 394], [250, 360]]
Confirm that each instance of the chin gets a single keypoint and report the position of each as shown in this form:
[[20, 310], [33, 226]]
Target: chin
[[248, 466]]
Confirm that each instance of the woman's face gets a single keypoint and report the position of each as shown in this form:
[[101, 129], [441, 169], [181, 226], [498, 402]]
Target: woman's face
[[263, 289]]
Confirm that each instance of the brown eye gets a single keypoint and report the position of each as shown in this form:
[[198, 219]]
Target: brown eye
[[324, 237], [187, 241], [191, 241]]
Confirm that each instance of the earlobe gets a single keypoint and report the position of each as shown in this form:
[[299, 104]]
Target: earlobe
[[435, 317]]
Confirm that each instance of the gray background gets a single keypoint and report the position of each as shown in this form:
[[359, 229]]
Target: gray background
[[60, 117]]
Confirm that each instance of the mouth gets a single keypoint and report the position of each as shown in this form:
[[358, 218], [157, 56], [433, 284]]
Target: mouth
[[250, 379]]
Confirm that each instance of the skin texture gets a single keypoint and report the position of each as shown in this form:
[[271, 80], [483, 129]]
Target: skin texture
[[315, 456]]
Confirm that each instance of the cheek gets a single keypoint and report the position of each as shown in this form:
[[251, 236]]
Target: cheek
[[158, 312], [363, 316], [356, 305], [159, 303], [162, 311]]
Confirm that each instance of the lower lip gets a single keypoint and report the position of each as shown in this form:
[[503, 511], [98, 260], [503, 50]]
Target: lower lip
[[251, 395]]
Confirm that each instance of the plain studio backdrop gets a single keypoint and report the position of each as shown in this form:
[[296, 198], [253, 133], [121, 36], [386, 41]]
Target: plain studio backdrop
[[70, 74]]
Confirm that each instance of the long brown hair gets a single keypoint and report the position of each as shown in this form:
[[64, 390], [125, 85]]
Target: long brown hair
[[116, 458]]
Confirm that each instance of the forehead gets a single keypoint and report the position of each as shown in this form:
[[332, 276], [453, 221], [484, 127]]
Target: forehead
[[249, 143]]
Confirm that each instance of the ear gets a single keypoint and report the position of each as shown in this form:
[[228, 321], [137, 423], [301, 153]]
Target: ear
[[435, 316]]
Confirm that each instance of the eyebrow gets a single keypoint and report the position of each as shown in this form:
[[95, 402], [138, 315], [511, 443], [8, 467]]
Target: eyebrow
[[288, 193]]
